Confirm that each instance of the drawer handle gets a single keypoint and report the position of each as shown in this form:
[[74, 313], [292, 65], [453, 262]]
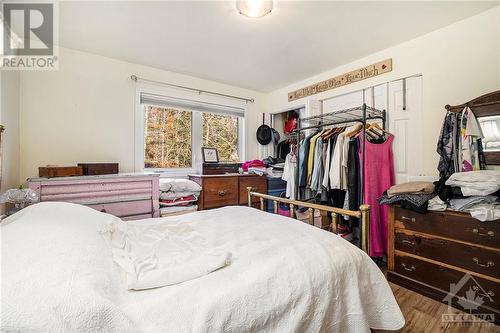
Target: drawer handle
[[488, 264], [489, 233], [489, 292], [222, 193], [405, 241], [404, 218], [410, 269]]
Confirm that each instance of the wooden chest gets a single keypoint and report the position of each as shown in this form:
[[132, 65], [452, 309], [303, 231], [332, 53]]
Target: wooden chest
[[226, 190], [128, 196], [444, 255], [92, 169], [220, 168], [58, 171]]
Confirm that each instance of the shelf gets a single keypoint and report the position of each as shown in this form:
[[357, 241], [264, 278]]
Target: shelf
[[346, 116]]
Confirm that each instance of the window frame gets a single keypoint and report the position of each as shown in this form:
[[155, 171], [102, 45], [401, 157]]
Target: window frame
[[196, 128]]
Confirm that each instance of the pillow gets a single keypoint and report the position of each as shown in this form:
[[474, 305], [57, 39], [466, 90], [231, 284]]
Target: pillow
[[178, 185]]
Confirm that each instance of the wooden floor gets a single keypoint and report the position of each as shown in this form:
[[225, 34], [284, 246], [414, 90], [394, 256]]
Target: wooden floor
[[423, 315]]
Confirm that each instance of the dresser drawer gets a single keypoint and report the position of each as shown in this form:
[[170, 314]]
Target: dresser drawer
[[473, 258], [126, 208], [220, 191], [257, 183], [441, 277], [450, 225]]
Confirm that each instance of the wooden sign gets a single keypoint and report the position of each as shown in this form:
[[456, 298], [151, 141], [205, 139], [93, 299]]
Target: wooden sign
[[342, 80]]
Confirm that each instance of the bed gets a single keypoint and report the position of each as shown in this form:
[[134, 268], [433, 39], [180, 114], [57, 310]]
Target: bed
[[58, 275]]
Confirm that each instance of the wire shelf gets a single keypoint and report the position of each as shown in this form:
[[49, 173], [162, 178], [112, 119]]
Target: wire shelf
[[345, 116]]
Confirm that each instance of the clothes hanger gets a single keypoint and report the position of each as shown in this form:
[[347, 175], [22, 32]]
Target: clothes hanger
[[357, 128]]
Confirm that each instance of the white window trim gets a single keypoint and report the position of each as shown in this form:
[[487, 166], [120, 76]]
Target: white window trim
[[197, 140]]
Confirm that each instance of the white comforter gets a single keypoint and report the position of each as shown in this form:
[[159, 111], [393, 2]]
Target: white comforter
[[285, 276]]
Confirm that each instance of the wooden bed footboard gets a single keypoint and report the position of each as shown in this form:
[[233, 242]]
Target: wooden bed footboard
[[363, 213]]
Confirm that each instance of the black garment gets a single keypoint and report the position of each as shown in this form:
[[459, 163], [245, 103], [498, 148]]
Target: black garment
[[353, 175], [446, 192], [303, 160], [480, 152], [446, 144], [283, 149]]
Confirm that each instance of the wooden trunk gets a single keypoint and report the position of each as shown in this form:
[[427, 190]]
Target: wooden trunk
[[55, 171], [92, 169]]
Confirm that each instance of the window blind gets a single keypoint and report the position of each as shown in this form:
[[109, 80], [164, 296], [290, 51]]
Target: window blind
[[192, 105]]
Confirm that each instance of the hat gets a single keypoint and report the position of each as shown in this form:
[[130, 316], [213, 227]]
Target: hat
[[264, 134]]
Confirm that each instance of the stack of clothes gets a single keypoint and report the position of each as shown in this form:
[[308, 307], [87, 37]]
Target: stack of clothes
[[178, 196], [254, 166], [275, 167], [412, 195], [475, 192]]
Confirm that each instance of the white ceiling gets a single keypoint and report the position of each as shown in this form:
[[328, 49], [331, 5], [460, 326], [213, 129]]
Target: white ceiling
[[209, 39]]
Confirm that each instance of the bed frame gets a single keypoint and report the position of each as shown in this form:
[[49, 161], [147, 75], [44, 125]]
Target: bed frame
[[363, 213]]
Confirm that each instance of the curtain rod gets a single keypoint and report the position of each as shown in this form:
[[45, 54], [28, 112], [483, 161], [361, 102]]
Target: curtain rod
[[135, 78]]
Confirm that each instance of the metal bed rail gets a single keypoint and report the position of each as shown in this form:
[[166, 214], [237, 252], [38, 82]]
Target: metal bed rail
[[363, 213]]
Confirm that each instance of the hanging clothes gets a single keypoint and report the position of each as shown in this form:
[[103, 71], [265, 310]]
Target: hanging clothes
[[470, 133], [317, 174], [290, 174], [336, 163], [460, 146], [303, 160], [378, 176], [310, 160]]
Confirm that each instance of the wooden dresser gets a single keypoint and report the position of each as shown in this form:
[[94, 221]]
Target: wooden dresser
[[128, 196], [429, 252], [228, 189]]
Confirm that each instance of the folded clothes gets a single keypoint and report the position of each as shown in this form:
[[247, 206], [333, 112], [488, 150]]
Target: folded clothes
[[485, 212], [176, 195], [465, 203], [418, 187], [178, 185], [476, 183], [415, 199], [179, 201], [437, 205], [177, 210], [446, 192]]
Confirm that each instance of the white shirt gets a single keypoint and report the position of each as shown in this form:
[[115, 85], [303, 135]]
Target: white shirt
[[336, 163], [289, 175]]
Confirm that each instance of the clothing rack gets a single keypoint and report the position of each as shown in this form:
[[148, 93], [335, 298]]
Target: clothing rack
[[356, 115]]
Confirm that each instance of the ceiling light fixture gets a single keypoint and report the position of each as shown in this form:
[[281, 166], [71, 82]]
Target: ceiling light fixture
[[254, 8]]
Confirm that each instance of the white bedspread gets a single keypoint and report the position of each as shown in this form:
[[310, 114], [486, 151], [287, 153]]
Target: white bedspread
[[285, 276]]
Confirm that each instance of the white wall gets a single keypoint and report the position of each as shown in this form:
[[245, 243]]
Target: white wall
[[84, 112], [458, 63], [9, 117]]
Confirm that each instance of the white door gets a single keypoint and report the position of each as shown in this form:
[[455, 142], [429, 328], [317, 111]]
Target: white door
[[341, 102], [405, 120]]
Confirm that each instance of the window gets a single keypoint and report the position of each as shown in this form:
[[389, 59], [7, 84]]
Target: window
[[221, 132], [174, 130], [167, 138]]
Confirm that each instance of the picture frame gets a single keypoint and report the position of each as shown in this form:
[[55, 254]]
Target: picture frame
[[210, 155]]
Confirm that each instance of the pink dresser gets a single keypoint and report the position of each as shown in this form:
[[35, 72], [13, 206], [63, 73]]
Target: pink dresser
[[128, 196]]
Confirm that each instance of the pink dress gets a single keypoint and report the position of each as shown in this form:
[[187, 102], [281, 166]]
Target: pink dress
[[379, 176]]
